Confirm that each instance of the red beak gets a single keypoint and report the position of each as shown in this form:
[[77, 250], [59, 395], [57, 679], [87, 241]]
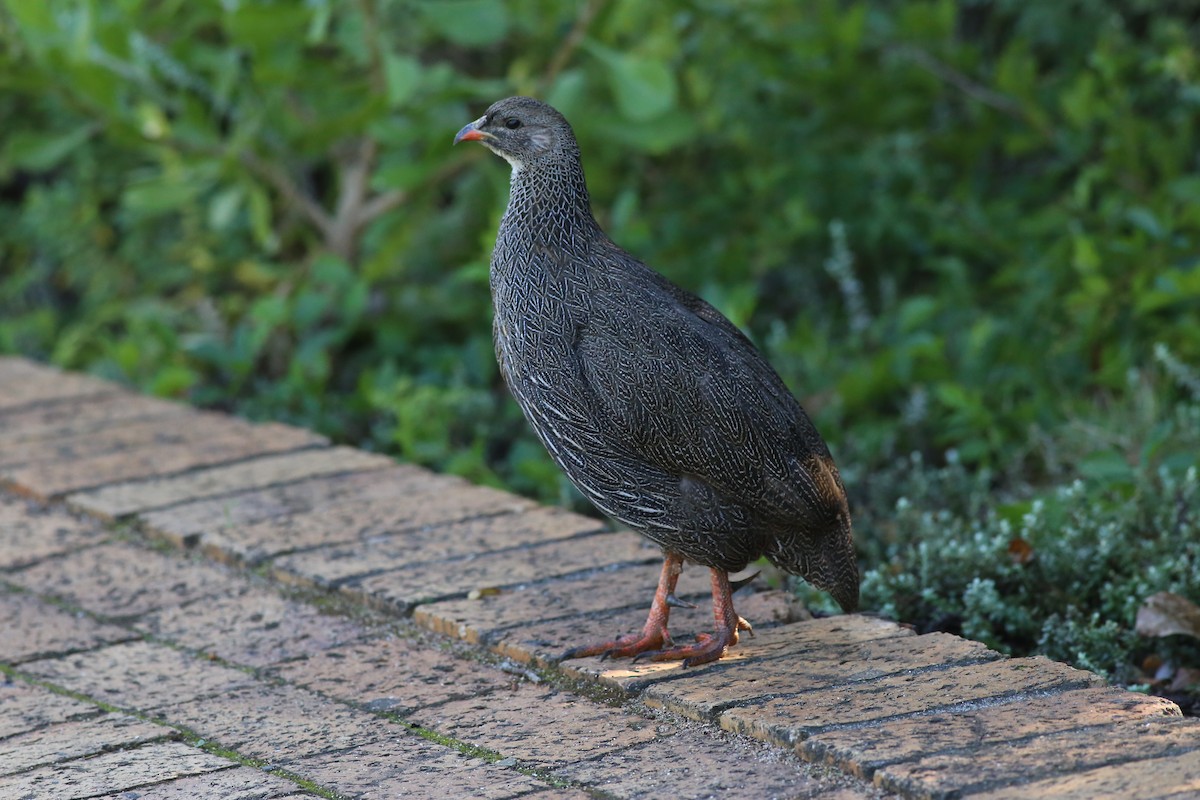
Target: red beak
[[471, 133]]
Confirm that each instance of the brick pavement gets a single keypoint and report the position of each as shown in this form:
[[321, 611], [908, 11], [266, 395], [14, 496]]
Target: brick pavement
[[212, 608]]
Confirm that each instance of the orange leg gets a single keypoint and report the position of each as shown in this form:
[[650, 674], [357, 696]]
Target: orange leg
[[654, 635], [711, 646], [654, 642]]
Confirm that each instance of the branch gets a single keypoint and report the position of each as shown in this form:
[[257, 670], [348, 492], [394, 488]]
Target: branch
[[371, 34], [587, 13], [976, 91], [380, 204], [291, 192]]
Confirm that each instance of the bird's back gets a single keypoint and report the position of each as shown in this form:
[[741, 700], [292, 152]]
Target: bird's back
[[655, 405], [664, 415]]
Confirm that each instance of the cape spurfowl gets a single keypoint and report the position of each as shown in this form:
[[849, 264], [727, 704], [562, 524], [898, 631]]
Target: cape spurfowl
[[654, 404]]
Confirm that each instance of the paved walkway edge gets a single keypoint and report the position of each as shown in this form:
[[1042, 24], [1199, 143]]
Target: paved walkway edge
[[921, 716]]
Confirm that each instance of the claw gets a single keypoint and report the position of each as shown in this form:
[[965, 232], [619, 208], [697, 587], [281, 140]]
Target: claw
[[735, 585], [675, 602]]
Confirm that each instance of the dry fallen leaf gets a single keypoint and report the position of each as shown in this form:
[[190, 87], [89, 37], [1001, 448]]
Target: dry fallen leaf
[[1020, 550], [1164, 614], [1185, 678]]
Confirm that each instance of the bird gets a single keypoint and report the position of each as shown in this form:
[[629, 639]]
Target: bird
[[658, 408]]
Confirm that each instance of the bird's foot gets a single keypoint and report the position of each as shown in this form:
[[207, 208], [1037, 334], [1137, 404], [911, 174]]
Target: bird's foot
[[652, 639], [709, 647]]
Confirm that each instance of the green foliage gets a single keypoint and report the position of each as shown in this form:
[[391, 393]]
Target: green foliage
[[1059, 570], [954, 225]]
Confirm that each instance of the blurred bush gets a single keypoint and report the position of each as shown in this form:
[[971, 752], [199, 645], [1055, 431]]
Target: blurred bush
[[953, 225]]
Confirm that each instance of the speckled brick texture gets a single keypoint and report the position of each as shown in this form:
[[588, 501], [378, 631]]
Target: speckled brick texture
[[415, 769], [120, 580], [230, 441], [139, 676], [421, 501], [393, 674], [539, 725], [77, 416], [29, 534], [122, 770], [72, 740], [25, 385], [251, 626], [186, 524], [791, 718], [124, 499], [377, 630], [234, 783], [28, 707]]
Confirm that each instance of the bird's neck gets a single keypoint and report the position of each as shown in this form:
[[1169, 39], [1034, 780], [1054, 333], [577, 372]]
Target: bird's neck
[[549, 206]]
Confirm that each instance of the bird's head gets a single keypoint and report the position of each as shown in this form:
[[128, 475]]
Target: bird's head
[[522, 131]]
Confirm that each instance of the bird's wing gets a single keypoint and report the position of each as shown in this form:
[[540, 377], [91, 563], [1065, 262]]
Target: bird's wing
[[685, 390]]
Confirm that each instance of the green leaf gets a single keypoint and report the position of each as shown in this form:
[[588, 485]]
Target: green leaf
[[260, 220], [644, 88], [38, 153], [654, 135], [157, 198], [403, 76], [224, 207], [1106, 467], [467, 22], [33, 16]]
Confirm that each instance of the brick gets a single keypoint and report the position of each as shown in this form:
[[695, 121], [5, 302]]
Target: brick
[[34, 629], [543, 642], [82, 415], [277, 724], [698, 763], [193, 429], [557, 793], [538, 725], [29, 534], [544, 645], [26, 383], [864, 749], [1153, 779], [1067, 751], [430, 500], [121, 580], [70, 740], [482, 620], [766, 608], [789, 720], [238, 783], [406, 588], [113, 772], [701, 694], [406, 766], [477, 540], [139, 676], [394, 675], [123, 499], [45, 481], [185, 525], [252, 627], [28, 707]]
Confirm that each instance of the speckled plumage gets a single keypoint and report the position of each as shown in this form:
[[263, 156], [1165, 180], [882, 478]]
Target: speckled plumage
[[657, 407]]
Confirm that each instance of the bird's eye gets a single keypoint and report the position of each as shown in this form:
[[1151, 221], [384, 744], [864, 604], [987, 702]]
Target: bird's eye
[[512, 123]]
